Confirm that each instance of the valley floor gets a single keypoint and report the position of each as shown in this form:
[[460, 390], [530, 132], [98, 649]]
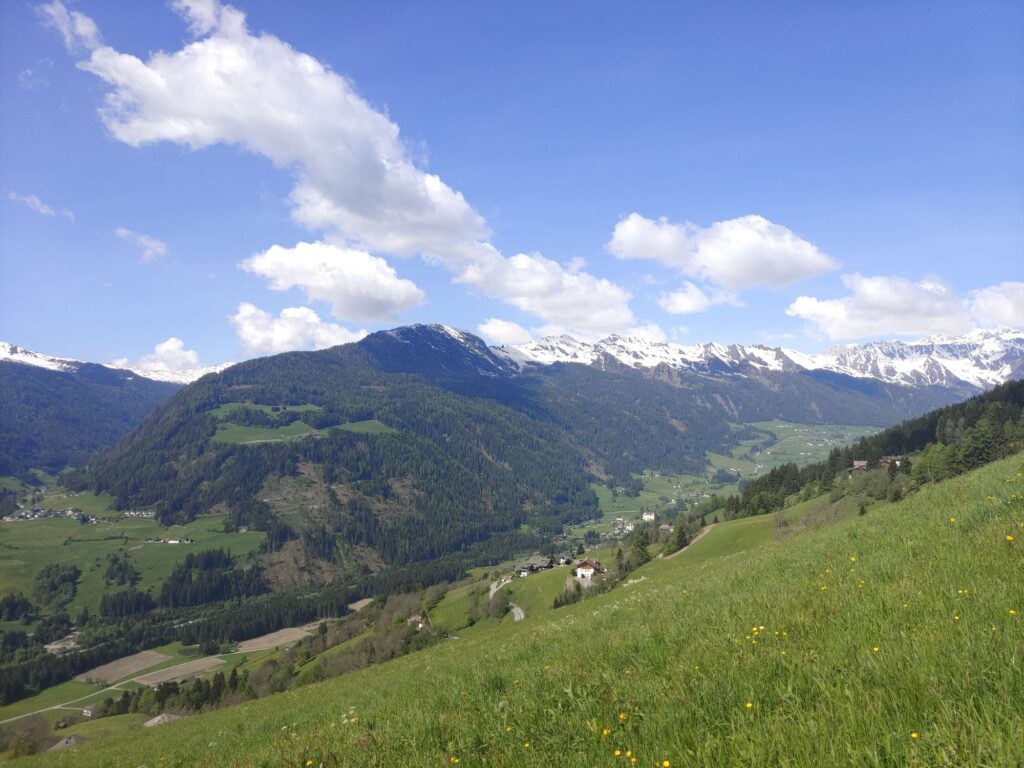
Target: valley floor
[[892, 638]]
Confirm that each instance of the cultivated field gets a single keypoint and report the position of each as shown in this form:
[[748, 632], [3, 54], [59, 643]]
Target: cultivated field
[[284, 636], [181, 671], [123, 667]]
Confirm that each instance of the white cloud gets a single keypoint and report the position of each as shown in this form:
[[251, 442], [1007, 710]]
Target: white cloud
[[357, 285], [574, 300], [1001, 304], [34, 203], [169, 355], [354, 176], [733, 255], [295, 328], [689, 298], [78, 30], [150, 247], [497, 331], [885, 306]]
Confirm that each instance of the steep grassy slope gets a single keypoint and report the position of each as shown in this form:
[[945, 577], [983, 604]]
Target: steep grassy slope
[[890, 639]]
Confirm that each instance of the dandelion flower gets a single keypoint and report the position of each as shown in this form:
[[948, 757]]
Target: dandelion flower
[[666, 764], [952, 519], [853, 558], [606, 731], [526, 745], [874, 649], [749, 705], [618, 753], [622, 716], [1009, 537], [309, 762], [1012, 612], [914, 735]]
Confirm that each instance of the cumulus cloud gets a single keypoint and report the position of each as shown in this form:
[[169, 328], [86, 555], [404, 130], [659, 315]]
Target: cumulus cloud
[[1001, 304], [354, 176], [497, 331], [32, 202], [79, 32], [883, 306], [732, 255], [542, 287], [689, 298], [295, 328], [149, 247], [357, 285], [169, 355]]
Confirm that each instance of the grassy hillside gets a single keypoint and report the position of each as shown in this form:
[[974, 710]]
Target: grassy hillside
[[29, 545], [894, 638]]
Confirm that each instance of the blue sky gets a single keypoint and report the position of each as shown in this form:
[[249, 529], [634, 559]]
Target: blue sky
[[266, 176]]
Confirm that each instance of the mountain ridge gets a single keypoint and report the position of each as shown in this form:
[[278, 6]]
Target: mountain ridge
[[976, 361]]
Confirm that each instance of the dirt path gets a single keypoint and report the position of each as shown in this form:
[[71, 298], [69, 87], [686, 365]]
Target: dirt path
[[693, 541], [517, 612], [496, 585]]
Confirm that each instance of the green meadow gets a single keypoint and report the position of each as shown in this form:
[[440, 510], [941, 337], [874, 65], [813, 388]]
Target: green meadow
[[28, 545], [892, 638]]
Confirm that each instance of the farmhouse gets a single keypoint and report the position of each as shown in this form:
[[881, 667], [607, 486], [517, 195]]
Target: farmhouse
[[585, 569], [534, 564], [859, 466], [649, 517]]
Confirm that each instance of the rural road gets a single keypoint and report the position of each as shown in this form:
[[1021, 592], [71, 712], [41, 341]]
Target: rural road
[[693, 541], [517, 612], [496, 585]]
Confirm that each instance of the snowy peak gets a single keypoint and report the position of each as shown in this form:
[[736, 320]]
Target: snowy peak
[[16, 354], [979, 360], [435, 349], [637, 352], [184, 376]]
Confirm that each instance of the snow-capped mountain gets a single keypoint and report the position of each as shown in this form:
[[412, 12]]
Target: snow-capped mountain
[[16, 354], [183, 376], [979, 360]]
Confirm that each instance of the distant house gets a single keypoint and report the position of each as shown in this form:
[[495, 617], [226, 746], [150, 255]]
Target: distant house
[[649, 517], [859, 466], [68, 741], [585, 569], [891, 462], [665, 528], [539, 563], [166, 717], [91, 710]]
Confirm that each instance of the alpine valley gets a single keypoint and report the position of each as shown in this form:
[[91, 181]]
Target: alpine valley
[[198, 516]]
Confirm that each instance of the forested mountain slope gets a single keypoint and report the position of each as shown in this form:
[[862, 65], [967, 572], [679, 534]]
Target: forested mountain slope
[[52, 418], [423, 442]]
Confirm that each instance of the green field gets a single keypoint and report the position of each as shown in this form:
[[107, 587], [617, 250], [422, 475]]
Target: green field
[[28, 545], [892, 638], [224, 411], [236, 433], [797, 443], [89, 503]]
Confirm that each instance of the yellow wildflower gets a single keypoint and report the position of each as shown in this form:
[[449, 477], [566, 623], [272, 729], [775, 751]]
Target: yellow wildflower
[[749, 705], [913, 734], [1009, 537], [952, 519]]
